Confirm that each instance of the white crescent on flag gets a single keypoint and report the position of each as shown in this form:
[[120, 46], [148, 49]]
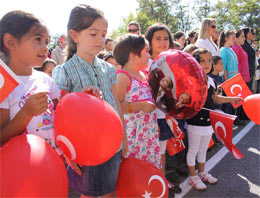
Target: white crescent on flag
[[157, 177], [232, 89], [69, 145], [221, 125]]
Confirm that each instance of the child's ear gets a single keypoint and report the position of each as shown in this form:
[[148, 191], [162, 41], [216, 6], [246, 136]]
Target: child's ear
[[132, 56], [9, 41], [74, 35]]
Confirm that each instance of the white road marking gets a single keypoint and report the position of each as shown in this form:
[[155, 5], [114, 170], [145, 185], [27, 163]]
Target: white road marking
[[215, 159]]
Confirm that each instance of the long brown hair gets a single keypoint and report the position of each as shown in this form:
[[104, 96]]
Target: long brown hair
[[81, 18], [222, 37]]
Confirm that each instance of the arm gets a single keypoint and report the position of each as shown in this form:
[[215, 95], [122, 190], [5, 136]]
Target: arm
[[226, 99], [35, 105], [125, 141]]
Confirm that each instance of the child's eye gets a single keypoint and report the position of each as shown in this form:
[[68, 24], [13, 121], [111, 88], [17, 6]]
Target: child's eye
[[38, 39]]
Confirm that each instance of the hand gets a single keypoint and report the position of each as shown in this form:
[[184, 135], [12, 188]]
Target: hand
[[36, 104], [237, 100], [179, 104], [148, 106], [125, 147], [93, 91], [73, 165]]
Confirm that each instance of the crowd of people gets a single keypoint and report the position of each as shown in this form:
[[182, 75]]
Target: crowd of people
[[118, 70]]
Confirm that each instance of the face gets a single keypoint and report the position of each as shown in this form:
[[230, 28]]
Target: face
[[160, 42], [48, 69], [91, 41], [255, 44], [165, 82], [133, 29], [114, 63], [241, 39], [215, 36], [108, 46], [32, 49], [212, 28], [251, 35], [230, 40], [142, 61], [185, 98], [205, 62], [181, 41], [219, 66]]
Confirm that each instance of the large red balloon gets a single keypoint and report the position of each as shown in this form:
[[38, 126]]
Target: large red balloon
[[251, 107], [88, 129], [188, 93], [30, 167], [138, 178]]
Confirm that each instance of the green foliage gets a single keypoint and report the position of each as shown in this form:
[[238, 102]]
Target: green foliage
[[53, 41]]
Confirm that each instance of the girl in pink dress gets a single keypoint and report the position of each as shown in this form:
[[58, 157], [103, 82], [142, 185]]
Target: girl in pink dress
[[136, 99]]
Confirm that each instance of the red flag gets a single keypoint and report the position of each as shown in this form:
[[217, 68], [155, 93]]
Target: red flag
[[211, 143], [222, 125], [8, 81], [174, 145], [236, 86]]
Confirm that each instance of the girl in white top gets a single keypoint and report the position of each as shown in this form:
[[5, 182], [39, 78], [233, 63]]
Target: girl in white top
[[30, 107], [207, 30]]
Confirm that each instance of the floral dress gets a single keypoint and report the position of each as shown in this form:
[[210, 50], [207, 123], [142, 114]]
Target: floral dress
[[142, 129]]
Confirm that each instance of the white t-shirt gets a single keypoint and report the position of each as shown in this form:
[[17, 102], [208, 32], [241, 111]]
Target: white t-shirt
[[211, 46], [41, 125]]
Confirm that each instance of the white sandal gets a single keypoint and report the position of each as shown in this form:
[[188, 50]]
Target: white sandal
[[196, 183]]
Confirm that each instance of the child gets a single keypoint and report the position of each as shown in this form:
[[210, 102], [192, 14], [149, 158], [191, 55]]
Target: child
[[87, 30], [30, 107], [110, 58], [229, 58], [199, 127], [136, 99], [159, 37], [47, 66]]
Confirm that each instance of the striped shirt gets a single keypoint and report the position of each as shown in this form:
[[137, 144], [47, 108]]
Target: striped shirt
[[76, 74]]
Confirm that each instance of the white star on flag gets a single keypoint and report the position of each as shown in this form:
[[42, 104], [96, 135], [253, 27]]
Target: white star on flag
[[147, 195]]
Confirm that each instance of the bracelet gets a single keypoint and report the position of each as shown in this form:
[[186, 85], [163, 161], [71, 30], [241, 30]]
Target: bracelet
[[130, 109]]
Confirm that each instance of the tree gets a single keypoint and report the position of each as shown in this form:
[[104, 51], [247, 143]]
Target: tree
[[202, 9]]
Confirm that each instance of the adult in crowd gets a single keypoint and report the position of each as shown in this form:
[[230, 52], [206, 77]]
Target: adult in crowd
[[108, 44], [59, 54], [250, 36], [134, 28], [207, 30]]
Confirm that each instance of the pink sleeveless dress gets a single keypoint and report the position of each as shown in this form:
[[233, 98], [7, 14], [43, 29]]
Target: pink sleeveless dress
[[142, 129]]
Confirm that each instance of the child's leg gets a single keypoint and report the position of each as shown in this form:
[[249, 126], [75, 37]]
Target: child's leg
[[202, 153], [194, 144], [162, 152]]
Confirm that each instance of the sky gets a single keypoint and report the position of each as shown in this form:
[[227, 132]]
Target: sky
[[55, 13]]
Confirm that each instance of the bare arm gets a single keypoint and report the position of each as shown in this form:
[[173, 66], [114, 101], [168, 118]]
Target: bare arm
[[35, 105], [226, 99], [125, 141]]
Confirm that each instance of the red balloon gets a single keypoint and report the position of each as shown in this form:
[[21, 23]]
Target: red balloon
[[138, 178], [30, 167], [185, 92], [251, 107], [88, 130]]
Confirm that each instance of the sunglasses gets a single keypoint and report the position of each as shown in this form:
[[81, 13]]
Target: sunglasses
[[133, 30], [213, 26]]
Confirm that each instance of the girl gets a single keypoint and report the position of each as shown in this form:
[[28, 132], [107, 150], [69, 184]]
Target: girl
[[207, 30], [179, 37], [47, 66], [159, 37], [241, 54], [87, 30], [131, 51], [199, 127], [30, 107], [229, 58]]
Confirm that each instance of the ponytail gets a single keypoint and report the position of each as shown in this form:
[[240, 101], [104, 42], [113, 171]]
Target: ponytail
[[222, 37]]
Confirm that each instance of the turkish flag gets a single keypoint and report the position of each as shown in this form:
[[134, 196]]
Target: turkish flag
[[222, 125], [174, 145], [236, 86], [137, 178], [8, 81]]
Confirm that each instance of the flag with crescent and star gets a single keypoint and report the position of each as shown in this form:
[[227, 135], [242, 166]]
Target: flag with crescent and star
[[175, 144], [222, 125], [8, 81], [236, 86]]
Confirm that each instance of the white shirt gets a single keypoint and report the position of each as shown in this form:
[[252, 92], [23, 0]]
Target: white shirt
[[211, 46], [41, 125]]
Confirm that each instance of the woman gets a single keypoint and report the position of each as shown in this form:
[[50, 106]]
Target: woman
[[207, 30]]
